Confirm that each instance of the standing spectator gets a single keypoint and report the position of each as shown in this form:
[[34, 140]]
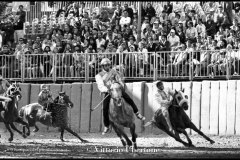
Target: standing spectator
[[19, 24], [117, 14], [210, 26], [173, 39], [129, 10], [125, 19], [169, 7], [201, 28], [150, 11], [191, 32]]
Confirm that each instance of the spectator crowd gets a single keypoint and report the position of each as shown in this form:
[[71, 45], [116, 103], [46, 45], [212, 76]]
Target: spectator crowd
[[204, 36]]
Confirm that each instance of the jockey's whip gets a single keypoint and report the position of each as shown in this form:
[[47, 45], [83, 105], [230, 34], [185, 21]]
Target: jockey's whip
[[99, 103]]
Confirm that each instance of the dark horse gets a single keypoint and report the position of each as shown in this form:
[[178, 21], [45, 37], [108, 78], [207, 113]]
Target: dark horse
[[179, 119], [9, 111], [55, 116], [121, 115]]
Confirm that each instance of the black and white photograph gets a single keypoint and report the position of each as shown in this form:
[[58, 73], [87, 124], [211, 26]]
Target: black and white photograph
[[120, 79]]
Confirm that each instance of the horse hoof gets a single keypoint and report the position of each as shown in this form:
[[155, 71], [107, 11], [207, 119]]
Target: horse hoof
[[191, 145], [24, 136], [85, 141], [135, 146], [28, 133], [212, 141], [35, 130], [10, 139], [62, 140]]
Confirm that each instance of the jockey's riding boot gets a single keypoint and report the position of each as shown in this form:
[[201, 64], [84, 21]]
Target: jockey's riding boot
[[106, 129], [139, 116]]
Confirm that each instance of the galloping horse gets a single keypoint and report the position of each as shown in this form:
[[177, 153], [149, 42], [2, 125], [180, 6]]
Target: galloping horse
[[56, 117], [9, 111], [121, 115], [179, 119]]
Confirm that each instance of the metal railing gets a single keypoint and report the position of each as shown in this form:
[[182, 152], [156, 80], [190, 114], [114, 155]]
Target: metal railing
[[135, 66]]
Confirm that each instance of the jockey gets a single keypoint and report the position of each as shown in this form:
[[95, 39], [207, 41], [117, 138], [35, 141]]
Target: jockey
[[45, 96], [103, 80], [4, 84], [164, 97]]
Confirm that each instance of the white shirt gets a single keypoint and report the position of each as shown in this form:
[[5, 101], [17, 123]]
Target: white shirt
[[100, 42], [201, 29], [173, 40], [124, 20]]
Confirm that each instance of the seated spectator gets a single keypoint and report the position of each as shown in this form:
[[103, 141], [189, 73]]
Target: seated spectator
[[191, 32], [212, 67], [203, 63], [210, 26]]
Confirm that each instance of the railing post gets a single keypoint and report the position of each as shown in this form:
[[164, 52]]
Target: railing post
[[155, 67], [54, 68], [22, 67], [86, 68], [191, 66]]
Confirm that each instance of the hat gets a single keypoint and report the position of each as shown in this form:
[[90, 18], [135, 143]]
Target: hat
[[105, 61], [156, 22], [172, 30]]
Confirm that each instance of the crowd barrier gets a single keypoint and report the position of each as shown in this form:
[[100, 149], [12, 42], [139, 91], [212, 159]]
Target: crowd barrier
[[213, 105], [174, 65]]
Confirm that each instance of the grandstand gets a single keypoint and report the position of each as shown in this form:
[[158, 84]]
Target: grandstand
[[173, 36]]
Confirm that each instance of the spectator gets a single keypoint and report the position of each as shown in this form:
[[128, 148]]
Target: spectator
[[19, 26], [191, 32], [173, 39], [210, 26], [204, 61], [150, 11], [129, 11]]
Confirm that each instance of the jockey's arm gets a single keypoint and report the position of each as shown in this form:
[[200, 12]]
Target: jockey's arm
[[160, 101], [100, 83]]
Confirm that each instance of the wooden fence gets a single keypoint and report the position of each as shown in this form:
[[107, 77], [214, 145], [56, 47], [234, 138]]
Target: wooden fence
[[214, 105]]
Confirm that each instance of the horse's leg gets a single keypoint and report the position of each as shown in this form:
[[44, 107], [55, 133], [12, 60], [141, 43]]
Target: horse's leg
[[62, 132], [121, 130], [192, 126], [15, 129], [134, 135], [36, 128], [118, 134], [177, 138], [185, 133], [75, 134], [10, 131], [20, 120]]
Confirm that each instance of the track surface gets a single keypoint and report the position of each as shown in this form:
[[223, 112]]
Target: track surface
[[48, 145]]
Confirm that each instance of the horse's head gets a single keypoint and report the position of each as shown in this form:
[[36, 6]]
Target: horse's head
[[14, 90], [180, 99], [116, 93], [64, 99]]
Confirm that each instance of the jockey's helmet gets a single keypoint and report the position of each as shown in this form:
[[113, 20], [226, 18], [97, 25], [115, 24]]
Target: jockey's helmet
[[44, 87], [105, 61], [159, 83]]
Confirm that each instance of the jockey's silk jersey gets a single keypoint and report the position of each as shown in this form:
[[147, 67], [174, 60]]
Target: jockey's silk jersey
[[104, 79], [164, 97], [43, 98]]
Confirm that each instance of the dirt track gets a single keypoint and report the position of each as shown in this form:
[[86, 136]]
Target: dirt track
[[48, 145]]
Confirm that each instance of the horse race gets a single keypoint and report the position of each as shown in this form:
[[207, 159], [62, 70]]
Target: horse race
[[119, 79]]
